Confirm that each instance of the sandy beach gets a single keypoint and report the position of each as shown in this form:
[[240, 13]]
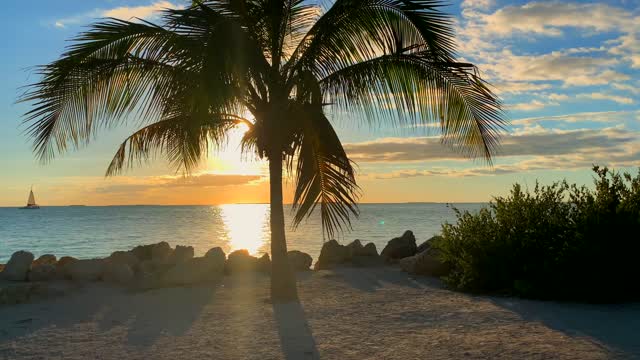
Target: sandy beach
[[347, 313]]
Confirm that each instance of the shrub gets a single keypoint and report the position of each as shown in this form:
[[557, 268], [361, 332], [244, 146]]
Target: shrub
[[558, 242]]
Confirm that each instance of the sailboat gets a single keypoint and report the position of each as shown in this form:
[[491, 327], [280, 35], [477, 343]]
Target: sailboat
[[31, 203]]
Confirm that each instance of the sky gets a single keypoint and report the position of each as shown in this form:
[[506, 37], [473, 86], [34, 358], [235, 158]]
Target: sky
[[568, 74]]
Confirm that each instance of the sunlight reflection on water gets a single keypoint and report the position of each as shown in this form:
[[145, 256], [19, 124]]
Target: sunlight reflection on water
[[247, 227]]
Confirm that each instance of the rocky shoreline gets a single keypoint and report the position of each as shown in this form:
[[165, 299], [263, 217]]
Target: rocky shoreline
[[25, 278]]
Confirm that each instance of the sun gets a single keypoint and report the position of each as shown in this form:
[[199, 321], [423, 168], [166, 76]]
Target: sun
[[230, 160]]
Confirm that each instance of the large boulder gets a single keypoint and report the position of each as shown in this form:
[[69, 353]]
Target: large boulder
[[158, 252], [181, 254], [18, 266], [118, 273], [47, 259], [124, 257], [85, 270], [216, 254], [369, 250], [194, 270], [354, 248], [366, 256], [299, 261], [43, 272], [240, 261], [400, 247], [425, 263], [64, 261], [263, 264], [428, 244], [331, 254]]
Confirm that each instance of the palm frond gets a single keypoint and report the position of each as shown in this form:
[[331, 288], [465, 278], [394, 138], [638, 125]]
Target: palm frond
[[324, 174], [353, 31], [184, 139], [412, 88]]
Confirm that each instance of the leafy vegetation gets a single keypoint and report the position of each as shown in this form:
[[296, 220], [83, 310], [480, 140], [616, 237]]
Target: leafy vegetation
[[558, 242]]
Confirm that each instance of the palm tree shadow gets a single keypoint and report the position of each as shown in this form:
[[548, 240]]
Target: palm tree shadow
[[296, 338]]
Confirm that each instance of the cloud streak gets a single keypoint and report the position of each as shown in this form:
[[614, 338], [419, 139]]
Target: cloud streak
[[123, 13], [588, 142]]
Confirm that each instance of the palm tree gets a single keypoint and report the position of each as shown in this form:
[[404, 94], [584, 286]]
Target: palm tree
[[292, 65]]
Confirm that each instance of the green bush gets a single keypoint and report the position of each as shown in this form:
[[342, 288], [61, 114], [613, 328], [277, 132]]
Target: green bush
[[558, 242]]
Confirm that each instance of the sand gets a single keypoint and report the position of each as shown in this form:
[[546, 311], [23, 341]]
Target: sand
[[345, 314]]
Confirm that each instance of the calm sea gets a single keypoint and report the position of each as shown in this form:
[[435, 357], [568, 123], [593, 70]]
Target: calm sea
[[86, 232]]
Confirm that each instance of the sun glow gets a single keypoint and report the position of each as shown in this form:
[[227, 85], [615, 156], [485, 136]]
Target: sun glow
[[229, 159], [247, 227]]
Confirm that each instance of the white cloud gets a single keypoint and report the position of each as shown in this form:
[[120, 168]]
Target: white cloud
[[487, 37], [626, 87], [518, 87], [123, 12], [557, 97], [603, 96], [477, 4], [550, 17], [536, 142], [555, 66], [598, 116], [532, 105], [129, 12]]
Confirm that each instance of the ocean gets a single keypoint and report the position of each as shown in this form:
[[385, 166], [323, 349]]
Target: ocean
[[97, 231]]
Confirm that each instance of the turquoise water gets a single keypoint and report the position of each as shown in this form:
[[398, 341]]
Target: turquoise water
[[89, 231]]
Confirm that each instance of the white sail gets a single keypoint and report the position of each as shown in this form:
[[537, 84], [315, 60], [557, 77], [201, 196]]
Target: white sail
[[32, 199]]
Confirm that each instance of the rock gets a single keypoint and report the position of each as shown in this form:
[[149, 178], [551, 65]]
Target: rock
[[118, 273], [124, 257], [18, 266], [369, 250], [194, 271], [65, 260], [181, 254], [240, 261], [263, 264], [299, 261], [161, 252], [47, 259], [158, 252], [217, 254], [43, 272], [85, 270], [425, 263], [152, 267], [427, 244], [332, 253], [400, 247], [354, 248]]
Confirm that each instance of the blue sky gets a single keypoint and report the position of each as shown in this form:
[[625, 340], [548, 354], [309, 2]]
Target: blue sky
[[568, 73]]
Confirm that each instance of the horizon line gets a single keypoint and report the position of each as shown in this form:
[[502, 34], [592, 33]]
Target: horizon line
[[253, 203]]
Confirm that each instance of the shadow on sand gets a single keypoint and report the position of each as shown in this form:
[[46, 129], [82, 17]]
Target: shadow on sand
[[296, 339], [616, 327], [372, 278], [109, 308]]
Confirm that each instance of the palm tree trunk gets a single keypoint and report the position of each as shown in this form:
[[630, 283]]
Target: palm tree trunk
[[283, 284]]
